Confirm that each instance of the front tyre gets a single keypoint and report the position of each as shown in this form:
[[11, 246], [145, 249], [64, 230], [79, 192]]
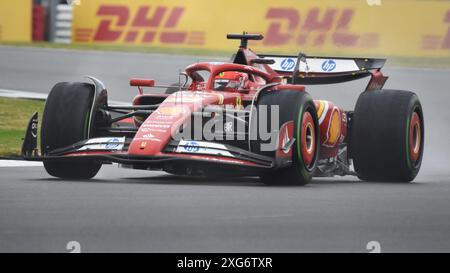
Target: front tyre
[[296, 106], [387, 136], [65, 122]]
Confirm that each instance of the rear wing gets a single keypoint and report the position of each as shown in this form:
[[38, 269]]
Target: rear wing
[[304, 69]]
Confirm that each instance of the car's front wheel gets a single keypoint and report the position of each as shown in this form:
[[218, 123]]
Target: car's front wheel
[[65, 122], [298, 107]]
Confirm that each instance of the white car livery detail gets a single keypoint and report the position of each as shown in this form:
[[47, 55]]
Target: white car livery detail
[[104, 143], [315, 65], [202, 147]]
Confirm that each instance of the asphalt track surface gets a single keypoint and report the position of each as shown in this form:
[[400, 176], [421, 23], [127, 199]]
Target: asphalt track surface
[[126, 211]]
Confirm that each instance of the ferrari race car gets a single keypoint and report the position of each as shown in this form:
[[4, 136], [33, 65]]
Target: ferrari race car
[[248, 117]]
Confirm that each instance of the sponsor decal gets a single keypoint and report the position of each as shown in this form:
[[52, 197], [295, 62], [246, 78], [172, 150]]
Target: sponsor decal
[[143, 145], [323, 110], [171, 110], [183, 97], [319, 65], [287, 64], [334, 128], [317, 27], [104, 143], [202, 147], [155, 125], [328, 65], [228, 127], [239, 103], [154, 130], [112, 144], [133, 22], [220, 97], [150, 137], [191, 147], [285, 141], [34, 128]]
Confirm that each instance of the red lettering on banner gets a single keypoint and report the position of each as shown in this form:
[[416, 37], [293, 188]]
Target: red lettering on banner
[[131, 36], [313, 23], [104, 32], [174, 17], [274, 35], [149, 36], [342, 37], [141, 19], [146, 25], [319, 27], [446, 43], [173, 37], [438, 42]]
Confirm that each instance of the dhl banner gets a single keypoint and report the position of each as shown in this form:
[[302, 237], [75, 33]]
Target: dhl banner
[[345, 27], [15, 20]]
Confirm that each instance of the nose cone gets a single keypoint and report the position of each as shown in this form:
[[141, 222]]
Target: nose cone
[[160, 127]]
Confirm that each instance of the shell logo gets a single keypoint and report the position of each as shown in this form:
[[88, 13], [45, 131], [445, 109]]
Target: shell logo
[[334, 129], [330, 122], [171, 110]]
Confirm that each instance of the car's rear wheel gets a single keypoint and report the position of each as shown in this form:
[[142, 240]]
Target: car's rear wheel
[[387, 136], [65, 122], [298, 107]]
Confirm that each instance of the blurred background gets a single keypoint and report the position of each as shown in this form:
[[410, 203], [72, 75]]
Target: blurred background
[[415, 32]]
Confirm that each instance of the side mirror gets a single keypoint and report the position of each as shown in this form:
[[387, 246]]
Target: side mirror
[[142, 82], [186, 79]]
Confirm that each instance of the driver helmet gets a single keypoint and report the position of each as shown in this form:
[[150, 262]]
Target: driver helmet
[[230, 80]]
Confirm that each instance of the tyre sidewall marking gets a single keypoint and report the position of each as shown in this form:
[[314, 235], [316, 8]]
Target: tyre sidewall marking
[[307, 122], [415, 108], [306, 172]]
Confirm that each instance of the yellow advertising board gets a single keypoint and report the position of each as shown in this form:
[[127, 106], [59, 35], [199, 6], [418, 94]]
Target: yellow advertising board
[[345, 27], [15, 20]]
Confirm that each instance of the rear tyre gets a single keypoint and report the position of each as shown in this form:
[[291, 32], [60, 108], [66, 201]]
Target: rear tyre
[[298, 107], [387, 136], [65, 122]]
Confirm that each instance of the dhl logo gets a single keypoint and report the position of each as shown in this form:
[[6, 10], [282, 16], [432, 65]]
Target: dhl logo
[[433, 42], [320, 27], [149, 24], [323, 26]]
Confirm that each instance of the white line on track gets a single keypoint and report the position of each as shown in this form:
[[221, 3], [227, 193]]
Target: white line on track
[[19, 163], [22, 94], [18, 94]]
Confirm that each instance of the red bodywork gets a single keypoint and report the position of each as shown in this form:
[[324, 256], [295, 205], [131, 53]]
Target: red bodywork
[[156, 131]]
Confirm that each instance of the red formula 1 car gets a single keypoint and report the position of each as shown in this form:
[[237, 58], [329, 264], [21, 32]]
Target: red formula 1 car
[[248, 117]]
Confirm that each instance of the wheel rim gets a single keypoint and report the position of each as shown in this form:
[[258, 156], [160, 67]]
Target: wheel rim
[[415, 138], [308, 139]]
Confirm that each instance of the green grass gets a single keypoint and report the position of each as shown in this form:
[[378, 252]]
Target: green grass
[[423, 62], [14, 117]]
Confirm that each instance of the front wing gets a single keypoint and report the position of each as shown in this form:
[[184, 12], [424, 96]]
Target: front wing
[[179, 157]]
